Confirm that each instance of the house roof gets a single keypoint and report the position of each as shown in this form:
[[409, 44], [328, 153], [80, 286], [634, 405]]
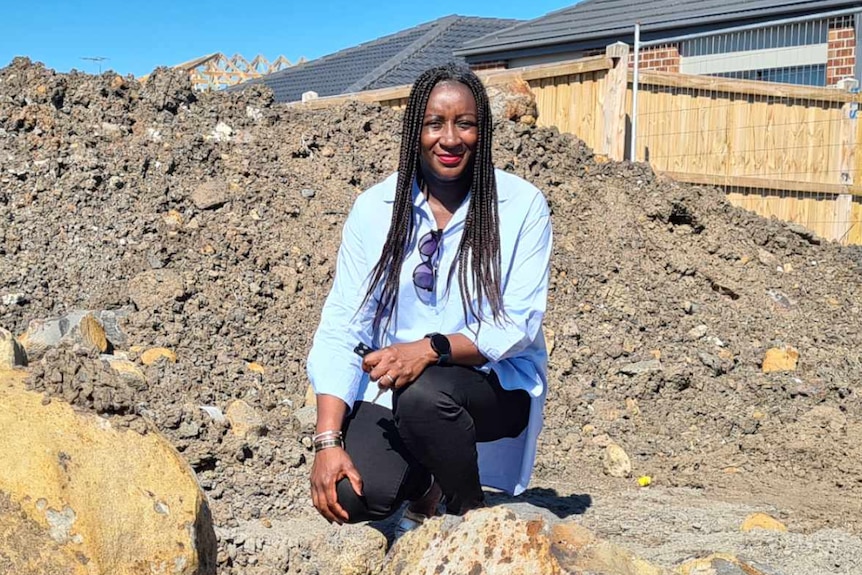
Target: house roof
[[392, 60], [613, 19]]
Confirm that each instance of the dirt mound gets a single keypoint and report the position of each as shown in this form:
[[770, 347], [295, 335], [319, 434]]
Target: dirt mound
[[214, 219]]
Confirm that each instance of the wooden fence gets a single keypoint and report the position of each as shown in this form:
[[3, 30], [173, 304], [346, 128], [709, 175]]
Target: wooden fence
[[778, 150]]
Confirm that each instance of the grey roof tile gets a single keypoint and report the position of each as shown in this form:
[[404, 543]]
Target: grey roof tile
[[392, 60], [598, 19]]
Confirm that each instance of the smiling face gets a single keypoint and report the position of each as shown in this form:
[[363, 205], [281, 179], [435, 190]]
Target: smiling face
[[450, 131]]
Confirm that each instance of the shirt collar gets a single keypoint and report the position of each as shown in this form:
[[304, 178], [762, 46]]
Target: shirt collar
[[389, 193]]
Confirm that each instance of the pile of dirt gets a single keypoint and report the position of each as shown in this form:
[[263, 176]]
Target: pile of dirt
[[212, 221]]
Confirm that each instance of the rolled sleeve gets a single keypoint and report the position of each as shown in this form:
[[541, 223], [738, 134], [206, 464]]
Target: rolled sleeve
[[333, 368], [524, 294]]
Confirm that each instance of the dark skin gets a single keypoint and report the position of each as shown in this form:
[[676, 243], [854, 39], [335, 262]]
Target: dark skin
[[447, 143]]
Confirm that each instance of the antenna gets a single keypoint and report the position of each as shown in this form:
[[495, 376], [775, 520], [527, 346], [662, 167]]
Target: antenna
[[98, 59]]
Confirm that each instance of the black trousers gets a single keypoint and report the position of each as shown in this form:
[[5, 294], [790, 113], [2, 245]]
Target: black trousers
[[432, 430]]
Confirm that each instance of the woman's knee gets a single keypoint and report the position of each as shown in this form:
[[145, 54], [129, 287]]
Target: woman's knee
[[371, 505], [425, 399]]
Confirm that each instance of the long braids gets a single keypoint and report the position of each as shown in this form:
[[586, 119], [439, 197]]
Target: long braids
[[479, 251]]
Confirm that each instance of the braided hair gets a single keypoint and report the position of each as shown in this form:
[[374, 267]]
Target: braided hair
[[479, 251]]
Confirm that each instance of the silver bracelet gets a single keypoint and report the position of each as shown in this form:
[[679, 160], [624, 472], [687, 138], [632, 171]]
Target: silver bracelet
[[327, 443], [327, 434]]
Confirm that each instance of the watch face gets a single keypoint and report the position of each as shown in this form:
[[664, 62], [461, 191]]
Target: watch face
[[440, 343]]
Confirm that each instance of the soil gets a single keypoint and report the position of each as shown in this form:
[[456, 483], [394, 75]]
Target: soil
[[212, 220]]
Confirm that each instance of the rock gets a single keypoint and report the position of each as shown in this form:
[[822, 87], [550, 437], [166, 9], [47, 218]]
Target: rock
[[152, 355], [93, 334], [221, 133], [126, 369], [762, 521], [780, 359], [640, 367], [101, 331], [70, 497], [244, 420], [11, 299], [307, 193], [255, 367], [155, 288], [491, 540], [550, 339], [12, 353], [173, 219], [722, 564], [304, 419], [210, 195], [579, 551], [767, 259], [696, 333], [616, 461], [512, 100]]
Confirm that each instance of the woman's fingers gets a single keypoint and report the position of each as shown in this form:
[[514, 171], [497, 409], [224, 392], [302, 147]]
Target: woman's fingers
[[335, 509], [355, 479]]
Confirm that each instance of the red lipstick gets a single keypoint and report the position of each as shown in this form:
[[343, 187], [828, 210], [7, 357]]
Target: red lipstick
[[449, 160]]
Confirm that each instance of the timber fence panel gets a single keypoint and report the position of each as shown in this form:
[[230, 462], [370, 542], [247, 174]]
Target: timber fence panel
[[766, 111]]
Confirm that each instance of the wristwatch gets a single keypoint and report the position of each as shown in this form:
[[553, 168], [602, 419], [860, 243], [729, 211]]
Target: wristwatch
[[441, 346]]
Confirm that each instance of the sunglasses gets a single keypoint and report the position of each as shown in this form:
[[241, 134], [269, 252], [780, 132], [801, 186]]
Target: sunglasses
[[425, 274]]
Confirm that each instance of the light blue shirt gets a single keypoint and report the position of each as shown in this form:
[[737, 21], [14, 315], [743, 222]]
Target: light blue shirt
[[515, 348]]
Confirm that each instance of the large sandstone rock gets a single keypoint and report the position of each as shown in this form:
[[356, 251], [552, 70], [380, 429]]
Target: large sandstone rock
[[503, 541], [492, 540], [80, 497]]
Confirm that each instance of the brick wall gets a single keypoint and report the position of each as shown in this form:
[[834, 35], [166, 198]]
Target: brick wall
[[842, 50], [664, 58], [495, 65]]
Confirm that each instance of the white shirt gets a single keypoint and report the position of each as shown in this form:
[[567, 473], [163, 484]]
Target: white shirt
[[515, 349]]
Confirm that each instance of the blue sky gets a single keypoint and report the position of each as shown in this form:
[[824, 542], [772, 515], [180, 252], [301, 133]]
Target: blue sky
[[137, 36]]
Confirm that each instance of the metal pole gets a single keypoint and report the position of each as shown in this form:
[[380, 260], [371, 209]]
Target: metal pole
[[633, 148]]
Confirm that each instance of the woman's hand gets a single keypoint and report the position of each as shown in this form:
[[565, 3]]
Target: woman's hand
[[399, 364], [330, 465]]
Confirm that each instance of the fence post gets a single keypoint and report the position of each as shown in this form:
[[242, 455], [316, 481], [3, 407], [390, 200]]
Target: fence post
[[616, 85], [843, 214]]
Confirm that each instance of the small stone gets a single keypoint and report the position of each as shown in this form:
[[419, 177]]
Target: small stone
[[632, 406], [255, 367], [210, 195], [11, 299], [762, 521], [550, 339], [154, 354], [327, 151], [127, 369], [640, 367], [307, 193], [767, 258], [528, 119], [189, 430], [616, 461], [173, 219], [244, 419], [780, 360], [304, 420], [696, 333]]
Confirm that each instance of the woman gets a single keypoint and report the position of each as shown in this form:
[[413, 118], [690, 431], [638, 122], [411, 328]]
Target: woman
[[453, 294]]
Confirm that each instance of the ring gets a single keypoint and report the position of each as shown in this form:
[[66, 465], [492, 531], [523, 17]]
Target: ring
[[391, 379]]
